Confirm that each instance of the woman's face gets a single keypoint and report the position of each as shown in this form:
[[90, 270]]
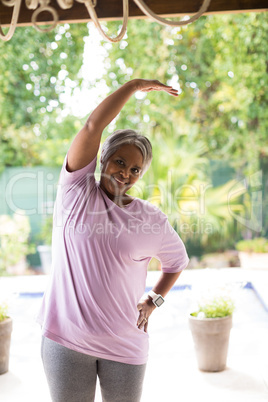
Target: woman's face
[[121, 171]]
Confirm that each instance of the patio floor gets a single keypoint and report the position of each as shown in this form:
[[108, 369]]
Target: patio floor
[[172, 374]]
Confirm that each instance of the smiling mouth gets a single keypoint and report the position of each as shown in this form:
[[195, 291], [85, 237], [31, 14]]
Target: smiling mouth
[[121, 183]]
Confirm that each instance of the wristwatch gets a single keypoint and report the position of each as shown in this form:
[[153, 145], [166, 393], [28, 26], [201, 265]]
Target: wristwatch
[[158, 300]]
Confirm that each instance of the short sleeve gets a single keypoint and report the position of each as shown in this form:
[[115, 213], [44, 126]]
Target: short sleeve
[[79, 178], [172, 253]]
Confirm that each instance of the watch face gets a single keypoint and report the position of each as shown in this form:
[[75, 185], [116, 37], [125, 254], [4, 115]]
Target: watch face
[[159, 301]]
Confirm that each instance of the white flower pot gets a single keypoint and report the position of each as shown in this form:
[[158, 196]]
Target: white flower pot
[[45, 257], [253, 260], [5, 340], [211, 341]]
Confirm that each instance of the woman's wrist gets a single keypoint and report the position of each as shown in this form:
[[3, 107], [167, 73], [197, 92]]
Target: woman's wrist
[[149, 302], [133, 84]]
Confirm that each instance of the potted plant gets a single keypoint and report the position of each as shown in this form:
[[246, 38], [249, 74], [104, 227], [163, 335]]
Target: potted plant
[[253, 253], [210, 325], [44, 249], [5, 338]]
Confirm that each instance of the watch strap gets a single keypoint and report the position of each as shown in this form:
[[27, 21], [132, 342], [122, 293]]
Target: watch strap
[[152, 294], [156, 298]]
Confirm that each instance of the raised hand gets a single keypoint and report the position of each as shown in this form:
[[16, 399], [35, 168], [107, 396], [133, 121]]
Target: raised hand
[[155, 85], [86, 144]]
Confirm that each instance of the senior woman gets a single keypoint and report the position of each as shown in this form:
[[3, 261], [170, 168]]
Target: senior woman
[[93, 317]]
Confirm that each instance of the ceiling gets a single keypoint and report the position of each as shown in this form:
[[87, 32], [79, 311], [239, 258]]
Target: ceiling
[[112, 9]]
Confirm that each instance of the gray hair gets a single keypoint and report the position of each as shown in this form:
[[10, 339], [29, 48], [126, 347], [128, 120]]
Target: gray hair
[[123, 137]]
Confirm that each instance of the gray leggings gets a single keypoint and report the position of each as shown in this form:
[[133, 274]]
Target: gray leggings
[[72, 376]]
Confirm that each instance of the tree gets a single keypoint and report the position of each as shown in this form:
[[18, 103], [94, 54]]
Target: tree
[[36, 69], [220, 65]]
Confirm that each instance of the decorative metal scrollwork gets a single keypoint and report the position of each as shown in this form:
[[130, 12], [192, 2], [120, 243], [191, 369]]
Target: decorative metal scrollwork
[[44, 5]]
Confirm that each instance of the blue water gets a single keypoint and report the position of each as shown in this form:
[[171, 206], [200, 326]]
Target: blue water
[[174, 312]]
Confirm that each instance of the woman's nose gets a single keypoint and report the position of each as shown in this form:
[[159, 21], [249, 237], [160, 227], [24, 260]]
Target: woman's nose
[[124, 173]]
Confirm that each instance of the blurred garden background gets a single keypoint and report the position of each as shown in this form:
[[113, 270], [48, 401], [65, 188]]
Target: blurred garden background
[[210, 145]]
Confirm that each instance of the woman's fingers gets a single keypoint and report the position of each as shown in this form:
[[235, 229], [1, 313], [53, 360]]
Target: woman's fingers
[[169, 89], [142, 322], [144, 315], [161, 87], [142, 318], [146, 326], [173, 92], [151, 85]]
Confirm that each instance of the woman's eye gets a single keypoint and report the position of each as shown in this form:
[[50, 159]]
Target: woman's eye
[[120, 162], [136, 171]]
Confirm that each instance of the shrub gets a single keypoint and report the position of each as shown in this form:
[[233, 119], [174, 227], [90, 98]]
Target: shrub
[[45, 235], [215, 308], [14, 239], [3, 311], [257, 245]]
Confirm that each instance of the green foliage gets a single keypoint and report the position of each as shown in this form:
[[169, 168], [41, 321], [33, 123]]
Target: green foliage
[[218, 230], [257, 245], [55, 139], [183, 190], [36, 70], [14, 239], [216, 308], [220, 65], [18, 147], [45, 235], [3, 311]]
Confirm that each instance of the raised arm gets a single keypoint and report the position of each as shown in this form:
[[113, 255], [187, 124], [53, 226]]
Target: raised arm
[[86, 144]]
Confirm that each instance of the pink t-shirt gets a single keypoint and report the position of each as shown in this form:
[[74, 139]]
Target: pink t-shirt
[[100, 254]]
